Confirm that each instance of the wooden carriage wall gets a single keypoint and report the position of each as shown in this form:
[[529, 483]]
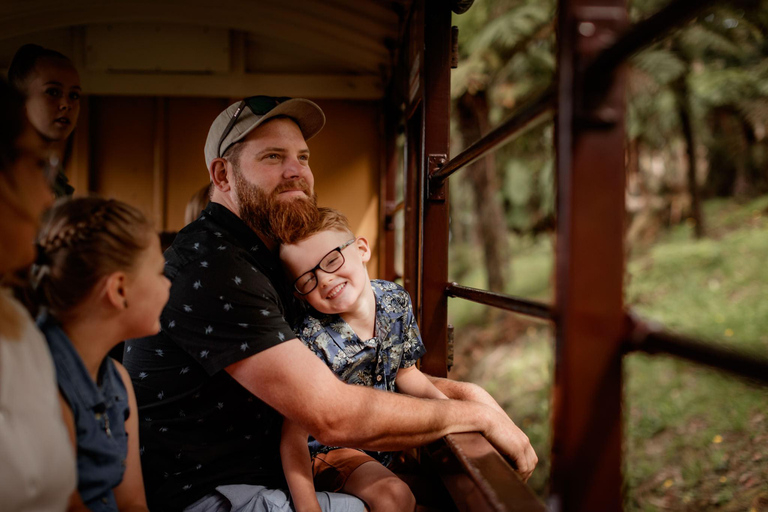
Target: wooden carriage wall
[[156, 73]]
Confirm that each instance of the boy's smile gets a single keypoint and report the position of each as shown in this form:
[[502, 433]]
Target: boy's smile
[[347, 290]]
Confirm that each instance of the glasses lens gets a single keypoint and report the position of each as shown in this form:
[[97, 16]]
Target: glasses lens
[[306, 283], [332, 261]]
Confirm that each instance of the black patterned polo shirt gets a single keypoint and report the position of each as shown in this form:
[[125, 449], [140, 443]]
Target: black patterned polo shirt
[[199, 428]]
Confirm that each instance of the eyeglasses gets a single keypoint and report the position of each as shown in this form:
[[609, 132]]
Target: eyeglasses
[[330, 263], [259, 105]]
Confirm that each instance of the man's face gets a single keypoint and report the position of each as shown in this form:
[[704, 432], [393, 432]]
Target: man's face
[[273, 182]]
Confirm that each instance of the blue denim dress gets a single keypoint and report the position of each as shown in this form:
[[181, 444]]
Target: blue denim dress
[[100, 411]]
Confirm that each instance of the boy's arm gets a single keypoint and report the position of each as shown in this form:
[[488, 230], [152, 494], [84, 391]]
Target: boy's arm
[[411, 381], [297, 466], [458, 390]]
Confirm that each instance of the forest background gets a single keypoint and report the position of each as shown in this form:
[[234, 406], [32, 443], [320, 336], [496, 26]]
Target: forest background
[[697, 239]]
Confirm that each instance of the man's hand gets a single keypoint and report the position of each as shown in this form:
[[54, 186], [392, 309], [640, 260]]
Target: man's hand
[[512, 443]]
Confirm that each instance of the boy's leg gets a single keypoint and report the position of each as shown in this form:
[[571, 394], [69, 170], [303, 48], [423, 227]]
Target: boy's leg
[[354, 472], [380, 489]]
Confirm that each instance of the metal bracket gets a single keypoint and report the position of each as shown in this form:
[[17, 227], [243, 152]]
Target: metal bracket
[[434, 163]]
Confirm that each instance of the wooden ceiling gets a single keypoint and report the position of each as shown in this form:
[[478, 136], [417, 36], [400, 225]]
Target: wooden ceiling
[[230, 48]]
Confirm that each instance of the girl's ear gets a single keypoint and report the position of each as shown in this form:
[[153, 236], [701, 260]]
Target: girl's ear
[[115, 290], [365, 250]]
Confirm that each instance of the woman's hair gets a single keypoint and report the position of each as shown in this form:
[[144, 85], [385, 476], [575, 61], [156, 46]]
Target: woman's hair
[[197, 204], [23, 64], [82, 241], [11, 125]]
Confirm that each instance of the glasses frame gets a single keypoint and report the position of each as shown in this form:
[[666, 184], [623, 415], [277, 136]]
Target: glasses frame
[[258, 112], [317, 267]]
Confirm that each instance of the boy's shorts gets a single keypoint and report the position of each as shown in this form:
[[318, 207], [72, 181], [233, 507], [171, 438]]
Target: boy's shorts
[[331, 470]]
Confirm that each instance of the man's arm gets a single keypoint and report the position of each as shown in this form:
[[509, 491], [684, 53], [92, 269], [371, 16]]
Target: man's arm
[[290, 378]]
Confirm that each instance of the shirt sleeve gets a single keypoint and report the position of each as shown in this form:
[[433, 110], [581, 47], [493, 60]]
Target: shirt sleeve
[[413, 347], [222, 310]]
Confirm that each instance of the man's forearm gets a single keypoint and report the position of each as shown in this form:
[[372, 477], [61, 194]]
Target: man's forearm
[[294, 381], [378, 420]]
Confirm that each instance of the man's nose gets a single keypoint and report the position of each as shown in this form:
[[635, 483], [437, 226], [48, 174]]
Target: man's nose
[[293, 168]]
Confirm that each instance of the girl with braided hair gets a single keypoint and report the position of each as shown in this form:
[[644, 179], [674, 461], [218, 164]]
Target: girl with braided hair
[[37, 472], [99, 280]]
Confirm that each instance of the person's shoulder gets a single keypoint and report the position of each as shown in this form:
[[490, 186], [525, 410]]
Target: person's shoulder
[[312, 323], [391, 290]]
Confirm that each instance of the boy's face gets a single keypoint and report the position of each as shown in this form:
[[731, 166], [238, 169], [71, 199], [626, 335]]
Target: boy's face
[[338, 292]]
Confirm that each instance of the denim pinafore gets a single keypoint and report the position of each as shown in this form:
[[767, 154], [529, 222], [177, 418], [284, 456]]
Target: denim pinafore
[[100, 411]]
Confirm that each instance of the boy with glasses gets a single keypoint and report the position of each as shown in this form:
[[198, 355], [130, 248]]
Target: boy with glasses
[[366, 333]]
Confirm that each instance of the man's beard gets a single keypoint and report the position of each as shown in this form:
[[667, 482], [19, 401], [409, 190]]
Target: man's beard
[[281, 221]]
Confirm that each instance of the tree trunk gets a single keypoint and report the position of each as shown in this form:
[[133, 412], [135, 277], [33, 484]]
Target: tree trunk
[[473, 123], [684, 111]]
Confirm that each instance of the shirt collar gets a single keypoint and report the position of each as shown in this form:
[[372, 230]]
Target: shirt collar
[[245, 236]]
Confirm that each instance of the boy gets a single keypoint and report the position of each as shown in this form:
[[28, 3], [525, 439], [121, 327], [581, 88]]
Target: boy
[[365, 332]]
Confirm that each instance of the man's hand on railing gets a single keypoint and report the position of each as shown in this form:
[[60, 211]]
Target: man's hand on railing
[[511, 443]]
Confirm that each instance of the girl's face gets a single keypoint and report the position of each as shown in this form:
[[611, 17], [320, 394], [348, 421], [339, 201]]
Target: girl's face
[[53, 99], [25, 194], [146, 291], [339, 292]]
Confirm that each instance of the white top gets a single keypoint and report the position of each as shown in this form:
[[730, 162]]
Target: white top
[[38, 471]]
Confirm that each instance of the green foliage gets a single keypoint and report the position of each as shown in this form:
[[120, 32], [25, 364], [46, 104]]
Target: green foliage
[[694, 438]]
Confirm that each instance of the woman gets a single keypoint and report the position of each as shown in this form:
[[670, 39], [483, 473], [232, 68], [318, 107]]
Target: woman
[[37, 472]]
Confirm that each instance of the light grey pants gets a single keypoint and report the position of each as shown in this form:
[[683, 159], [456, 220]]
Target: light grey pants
[[257, 498]]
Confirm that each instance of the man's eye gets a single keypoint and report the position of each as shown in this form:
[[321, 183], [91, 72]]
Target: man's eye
[[51, 91], [74, 95]]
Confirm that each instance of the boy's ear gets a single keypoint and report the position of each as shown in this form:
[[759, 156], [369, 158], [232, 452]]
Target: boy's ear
[[219, 174], [365, 250], [115, 289]]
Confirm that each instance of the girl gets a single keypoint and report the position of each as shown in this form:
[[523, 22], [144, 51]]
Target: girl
[[100, 280], [51, 86], [37, 472]]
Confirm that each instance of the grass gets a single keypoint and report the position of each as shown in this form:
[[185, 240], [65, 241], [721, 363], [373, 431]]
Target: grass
[[694, 438]]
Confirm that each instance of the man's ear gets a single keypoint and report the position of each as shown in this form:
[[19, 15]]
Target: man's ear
[[365, 250], [115, 289], [219, 174]]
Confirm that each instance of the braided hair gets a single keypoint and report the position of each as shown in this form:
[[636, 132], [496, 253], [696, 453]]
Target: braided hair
[[82, 241]]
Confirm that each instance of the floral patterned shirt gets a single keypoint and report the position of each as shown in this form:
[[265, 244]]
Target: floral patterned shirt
[[374, 363]]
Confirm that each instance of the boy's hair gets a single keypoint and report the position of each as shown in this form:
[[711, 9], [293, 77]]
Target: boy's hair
[[82, 241], [328, 219]]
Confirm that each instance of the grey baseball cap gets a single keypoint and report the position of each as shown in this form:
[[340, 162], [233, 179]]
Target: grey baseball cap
[[255, 111]]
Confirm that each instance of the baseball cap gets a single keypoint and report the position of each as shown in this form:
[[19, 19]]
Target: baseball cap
[[239, 119]]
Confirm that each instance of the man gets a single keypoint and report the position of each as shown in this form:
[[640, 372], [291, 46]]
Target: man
[[213, 384]]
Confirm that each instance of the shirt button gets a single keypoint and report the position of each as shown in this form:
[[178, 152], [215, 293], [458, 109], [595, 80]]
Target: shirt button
[[378, 377], [104, 500]]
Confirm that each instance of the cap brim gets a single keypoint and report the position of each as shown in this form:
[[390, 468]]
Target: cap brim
[[305, 113]]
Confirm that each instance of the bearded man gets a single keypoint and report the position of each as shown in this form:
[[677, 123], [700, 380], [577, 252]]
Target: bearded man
[[213, 385]]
